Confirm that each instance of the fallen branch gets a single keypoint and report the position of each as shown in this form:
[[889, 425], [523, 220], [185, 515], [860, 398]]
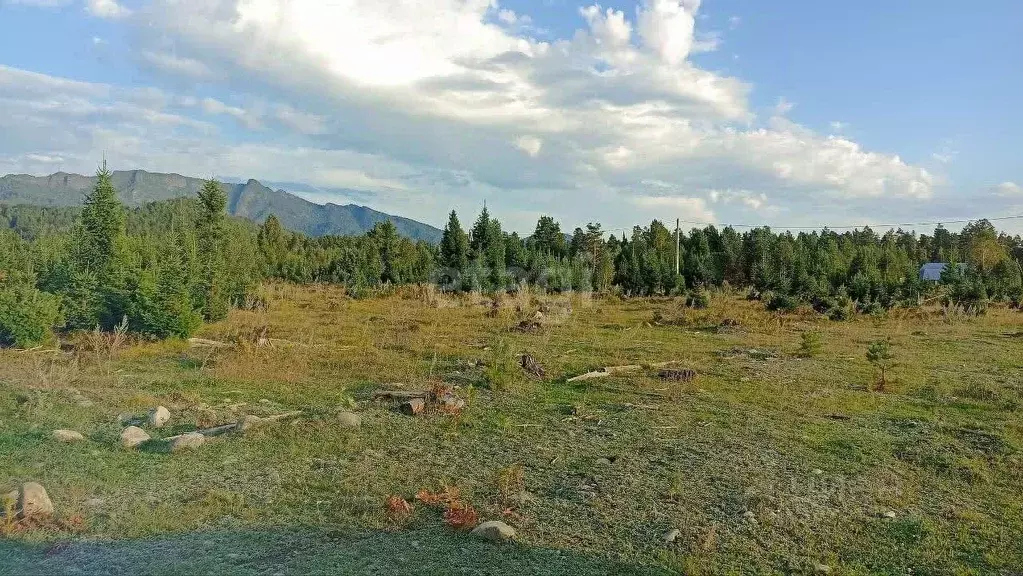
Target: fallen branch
[[589, 376], [209, 343], [249, 421], [606, 371], [400, 395]]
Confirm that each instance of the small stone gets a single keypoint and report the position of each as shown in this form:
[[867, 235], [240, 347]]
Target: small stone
[[750, 517], [67, 436], [187, 441], [671, 536], [33, 501], [495, 531], [890, 514], [133, 437], [159, 416], [818, 471], [822, 569], [349, 420]]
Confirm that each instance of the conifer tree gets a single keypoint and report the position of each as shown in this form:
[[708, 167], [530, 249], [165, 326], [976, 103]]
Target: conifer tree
[[454, 245], [272, 245], [102, 223], [213, 296]]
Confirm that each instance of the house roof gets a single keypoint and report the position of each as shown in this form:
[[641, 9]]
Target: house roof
[[933, 270]]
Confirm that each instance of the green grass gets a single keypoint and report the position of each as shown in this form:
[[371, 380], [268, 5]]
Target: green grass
[[768, 463]]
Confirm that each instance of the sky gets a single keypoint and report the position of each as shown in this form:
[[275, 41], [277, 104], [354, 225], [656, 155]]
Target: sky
[[795, 113]]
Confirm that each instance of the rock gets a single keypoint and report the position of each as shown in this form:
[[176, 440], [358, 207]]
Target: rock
[[349, 419], [671, 536], [451, 403], [188, 441], [159, 416], [821, 569], [818, 471], [133, 437], [750, 517], [249, 422], [33, 502], [67, 436], [890, 514], [495, 531]]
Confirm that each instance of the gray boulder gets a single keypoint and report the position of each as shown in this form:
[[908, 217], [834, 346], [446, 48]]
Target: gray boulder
[[133, 437], [67, 436], [159, 416], [33, 501], [189, 441], [495, 531]]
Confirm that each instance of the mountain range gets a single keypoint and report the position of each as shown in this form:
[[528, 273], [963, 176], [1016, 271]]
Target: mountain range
[[251, 200]]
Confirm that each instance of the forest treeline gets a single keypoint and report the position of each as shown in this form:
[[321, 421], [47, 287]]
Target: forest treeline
[[162, 269]]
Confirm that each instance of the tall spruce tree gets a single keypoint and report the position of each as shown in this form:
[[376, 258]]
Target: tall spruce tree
[[103, 224], [212, 296], [272, 245], [454, 245]]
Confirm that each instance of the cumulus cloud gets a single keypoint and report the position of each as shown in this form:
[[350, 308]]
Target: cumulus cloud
[[175, 65], [1009, 189], [443, 102], [106, 9]]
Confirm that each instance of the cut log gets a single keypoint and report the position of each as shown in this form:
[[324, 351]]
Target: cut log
[[413, 407]]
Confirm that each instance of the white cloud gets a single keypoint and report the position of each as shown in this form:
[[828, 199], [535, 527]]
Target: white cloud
[[946, 154], [734, 22], [1009, 189], [667, 27], [176, 65], [838, 126], [300, 121], [249, 119], [106, 9], [530, 145], [683, 207], [752, 200], [448, 101], [783, 107]]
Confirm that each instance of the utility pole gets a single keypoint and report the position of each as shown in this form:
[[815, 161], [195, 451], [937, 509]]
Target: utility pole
[[678, 246]]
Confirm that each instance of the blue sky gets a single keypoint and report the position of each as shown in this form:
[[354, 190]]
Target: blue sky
[[800, 112]]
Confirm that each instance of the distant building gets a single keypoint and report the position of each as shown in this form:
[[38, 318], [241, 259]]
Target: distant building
[[933, 270]]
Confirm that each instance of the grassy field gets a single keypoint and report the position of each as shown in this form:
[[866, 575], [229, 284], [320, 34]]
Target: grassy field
[[768, 463]]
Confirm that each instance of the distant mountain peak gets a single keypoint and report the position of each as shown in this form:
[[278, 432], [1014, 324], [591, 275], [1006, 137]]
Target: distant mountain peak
[[251, 200]]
